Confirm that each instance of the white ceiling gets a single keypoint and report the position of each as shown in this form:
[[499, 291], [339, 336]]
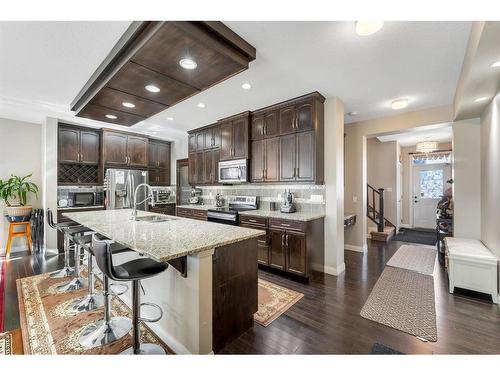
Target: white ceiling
[[49, 62], [438, 133]]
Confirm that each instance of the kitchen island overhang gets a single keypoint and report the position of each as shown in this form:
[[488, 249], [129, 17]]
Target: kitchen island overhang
[[215, 303]]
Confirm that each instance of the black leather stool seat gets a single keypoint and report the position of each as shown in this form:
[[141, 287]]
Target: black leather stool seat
[[138, 269]]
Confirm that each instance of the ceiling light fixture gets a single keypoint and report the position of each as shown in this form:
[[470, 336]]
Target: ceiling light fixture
[[427, 146], [481, 99], [152, 88], [201, 105], [365, 28], [399, 103], [112, 117], [170, 118], [353, 113], [128, 105], [495, 64], [188, 64], [246, 86]]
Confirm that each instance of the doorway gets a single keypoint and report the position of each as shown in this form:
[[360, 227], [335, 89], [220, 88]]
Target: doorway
[[429, 184]]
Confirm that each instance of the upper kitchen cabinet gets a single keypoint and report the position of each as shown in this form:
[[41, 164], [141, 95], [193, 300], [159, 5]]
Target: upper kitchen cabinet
[[159, 162], [124, 150], [78, 145], [235, 137], [204, 151], [141, 76], [300, 114], [264, 124]]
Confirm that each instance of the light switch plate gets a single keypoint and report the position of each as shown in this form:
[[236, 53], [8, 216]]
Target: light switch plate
[[355, 199]]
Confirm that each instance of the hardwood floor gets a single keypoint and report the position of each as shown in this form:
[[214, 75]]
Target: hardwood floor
[[327, 319]]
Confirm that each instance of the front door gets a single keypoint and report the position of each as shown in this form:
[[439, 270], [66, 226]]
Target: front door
[[429, 184]]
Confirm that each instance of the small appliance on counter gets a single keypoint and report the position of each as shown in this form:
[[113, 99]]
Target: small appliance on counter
[[288, 206], [195, 196], [164, 195], [219, 200]]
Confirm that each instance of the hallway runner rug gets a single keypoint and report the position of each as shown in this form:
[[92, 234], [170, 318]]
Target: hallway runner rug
[[403, 300], [274, 300], [415, 258], [50, 328], [418, 235]]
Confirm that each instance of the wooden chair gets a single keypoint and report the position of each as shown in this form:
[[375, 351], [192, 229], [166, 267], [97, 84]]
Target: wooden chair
[[25, 233]]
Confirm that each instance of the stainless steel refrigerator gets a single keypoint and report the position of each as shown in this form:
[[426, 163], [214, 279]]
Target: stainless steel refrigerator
[[119, 188]]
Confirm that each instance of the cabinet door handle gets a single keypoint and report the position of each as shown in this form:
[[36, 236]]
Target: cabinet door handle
[[297, 172], [262, 174], [252, 221], [265, 173], [286, 240], [283, 240], [294, 169]]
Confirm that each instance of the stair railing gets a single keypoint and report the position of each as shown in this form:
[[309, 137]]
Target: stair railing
[[377, 216]]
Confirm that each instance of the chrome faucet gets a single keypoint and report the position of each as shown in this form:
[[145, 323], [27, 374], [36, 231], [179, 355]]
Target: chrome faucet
[[149, 197]]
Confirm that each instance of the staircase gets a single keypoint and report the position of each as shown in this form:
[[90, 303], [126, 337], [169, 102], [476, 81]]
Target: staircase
[[375, 212]]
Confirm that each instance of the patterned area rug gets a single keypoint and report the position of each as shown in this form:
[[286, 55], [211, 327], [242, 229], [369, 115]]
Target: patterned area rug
[[403, 300], [49, 328], [5, 344], [274, 300], [415, 258]]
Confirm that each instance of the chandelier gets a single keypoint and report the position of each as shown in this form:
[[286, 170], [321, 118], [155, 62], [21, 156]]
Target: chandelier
[[427, 146]]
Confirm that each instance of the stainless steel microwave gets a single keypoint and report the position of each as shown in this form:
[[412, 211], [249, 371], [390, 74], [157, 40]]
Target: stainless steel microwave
[[80, 199], [233, 171]]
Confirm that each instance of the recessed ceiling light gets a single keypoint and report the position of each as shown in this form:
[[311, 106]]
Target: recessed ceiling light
[[201, 105], [495, 64], [399, 103], [246, 86], [364, 28], [170, 118], [353, 113], [111, 117], [152, 88], [188, 64], [128, 104], [481, 99]]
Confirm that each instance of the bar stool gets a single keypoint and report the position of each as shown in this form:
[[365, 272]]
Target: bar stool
[[108, 329], [67, 230], [134, 270], [92, 300]]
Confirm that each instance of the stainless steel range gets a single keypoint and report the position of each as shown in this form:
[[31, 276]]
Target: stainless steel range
[[229, 215]]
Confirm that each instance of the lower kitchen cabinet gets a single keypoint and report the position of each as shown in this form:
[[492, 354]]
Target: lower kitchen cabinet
[[192, 213], [164, 209], [295, 247]]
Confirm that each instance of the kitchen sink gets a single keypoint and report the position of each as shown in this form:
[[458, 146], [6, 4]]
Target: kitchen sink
[[155, 218]]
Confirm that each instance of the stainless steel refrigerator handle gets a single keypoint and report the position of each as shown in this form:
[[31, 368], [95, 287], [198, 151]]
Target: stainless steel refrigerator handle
[[132, 187]]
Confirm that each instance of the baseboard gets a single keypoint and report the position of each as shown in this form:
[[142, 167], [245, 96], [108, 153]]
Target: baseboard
[[335, 271], [404, 225], [359, 249]]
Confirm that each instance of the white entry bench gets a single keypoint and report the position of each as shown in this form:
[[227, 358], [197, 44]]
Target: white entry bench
[[471, 265]]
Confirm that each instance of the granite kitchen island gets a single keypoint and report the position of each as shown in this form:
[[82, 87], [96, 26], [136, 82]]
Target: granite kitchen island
[[208, 294]]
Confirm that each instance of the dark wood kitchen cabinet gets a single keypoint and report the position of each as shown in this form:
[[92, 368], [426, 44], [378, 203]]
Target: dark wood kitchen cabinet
[[259, 223], [298, 116], [264, 124], [265, 160], [235, 137], [78, 145], [277, 250], [298, 156], [124, 150], [159, 162], [204, 154]]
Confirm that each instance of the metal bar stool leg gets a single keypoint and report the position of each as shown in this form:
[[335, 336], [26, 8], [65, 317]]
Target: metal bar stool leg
[[137, 347], [92, 300], [77, 282], [107, 330], [67, 270]]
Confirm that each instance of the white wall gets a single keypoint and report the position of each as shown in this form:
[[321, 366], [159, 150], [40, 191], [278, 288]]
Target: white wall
[[490, 177], [334, 186], [467, 178], [20, 150]]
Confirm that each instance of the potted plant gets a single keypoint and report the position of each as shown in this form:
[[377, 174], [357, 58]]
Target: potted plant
[[17, 188]]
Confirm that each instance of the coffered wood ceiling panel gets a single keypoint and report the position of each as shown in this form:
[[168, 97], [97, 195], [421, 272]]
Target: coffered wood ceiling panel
[[149, 54]]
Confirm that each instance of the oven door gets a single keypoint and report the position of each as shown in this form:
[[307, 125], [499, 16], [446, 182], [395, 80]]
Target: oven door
[[222, 218], [233, 171]]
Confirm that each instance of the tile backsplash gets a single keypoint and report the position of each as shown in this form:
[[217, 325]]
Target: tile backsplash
[[308, 198]]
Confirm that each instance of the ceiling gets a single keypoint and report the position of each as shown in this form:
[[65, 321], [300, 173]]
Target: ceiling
[[438, 133], [405, 59]]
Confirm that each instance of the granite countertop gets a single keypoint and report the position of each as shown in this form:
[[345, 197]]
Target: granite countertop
[[297, 216], [162, 241]]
